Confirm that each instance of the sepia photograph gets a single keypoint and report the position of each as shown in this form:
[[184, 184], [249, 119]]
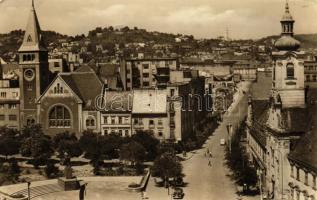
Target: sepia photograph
[[158, 99]]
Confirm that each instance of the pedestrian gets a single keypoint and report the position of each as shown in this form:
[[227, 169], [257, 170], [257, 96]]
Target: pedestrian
[[210, 155], [209, 163]]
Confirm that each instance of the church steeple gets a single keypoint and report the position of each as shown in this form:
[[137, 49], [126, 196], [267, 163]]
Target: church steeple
[[287, 22], [287, 42], [32, 38]]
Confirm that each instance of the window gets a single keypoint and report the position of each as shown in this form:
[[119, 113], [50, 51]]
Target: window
[[172, 92], [146, 83], [58, 89], [160, 122], [128, 71], [12, 117], [126, 132], [314, 78], [2, 106], [136, 121], [29, 39], [105, 132], [3, 94], [14, 94], [59, 116], [120, 132], [2, 117], [120, 120], [307, 78], [160, 134], [56, 64], [146, 75], [128, 80], [113, 120], [151, 122], [29, 87], [12, 106], [290, 71], [145, 66], [90, 122], [105, 119]]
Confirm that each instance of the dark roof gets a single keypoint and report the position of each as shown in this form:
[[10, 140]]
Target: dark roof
[[86, 85], [305, 151], [260, 116], [261, 89]]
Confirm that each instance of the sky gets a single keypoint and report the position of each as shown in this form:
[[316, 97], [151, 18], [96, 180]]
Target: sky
[[202, 18]]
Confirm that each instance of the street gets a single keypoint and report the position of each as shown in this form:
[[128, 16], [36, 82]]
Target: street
[[212, 182], [204, 181]]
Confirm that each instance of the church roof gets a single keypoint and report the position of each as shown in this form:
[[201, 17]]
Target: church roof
[[287, 43], [305, 151], [86, 85], [32, 37]]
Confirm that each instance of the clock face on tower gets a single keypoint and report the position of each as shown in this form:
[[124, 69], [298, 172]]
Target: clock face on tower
[[29, 74]]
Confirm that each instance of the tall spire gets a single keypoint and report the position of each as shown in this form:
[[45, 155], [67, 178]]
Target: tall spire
[[32, 38]]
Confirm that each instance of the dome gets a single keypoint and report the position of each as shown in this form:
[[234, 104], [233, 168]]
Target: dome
[[287, 43]]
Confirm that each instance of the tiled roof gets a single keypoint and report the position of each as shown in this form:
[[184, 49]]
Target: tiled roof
[[305, 151], [86, 85], [261, 89], [149, 102]]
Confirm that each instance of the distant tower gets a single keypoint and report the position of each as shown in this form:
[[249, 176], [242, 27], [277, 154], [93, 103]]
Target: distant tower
[[33, 61], [288, 67]]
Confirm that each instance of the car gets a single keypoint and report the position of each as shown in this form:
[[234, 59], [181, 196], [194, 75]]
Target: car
[[222, 142], [178, 193]]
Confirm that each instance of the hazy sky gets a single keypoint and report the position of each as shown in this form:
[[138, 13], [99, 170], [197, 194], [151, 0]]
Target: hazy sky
[[201, 18]]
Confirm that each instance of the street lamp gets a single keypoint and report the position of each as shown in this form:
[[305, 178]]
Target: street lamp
[[29, 184]]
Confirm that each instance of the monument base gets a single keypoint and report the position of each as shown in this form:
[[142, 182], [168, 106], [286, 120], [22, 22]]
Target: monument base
[[68, 184]]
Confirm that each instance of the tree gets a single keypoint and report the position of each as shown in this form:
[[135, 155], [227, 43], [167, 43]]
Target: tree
[[36, 144], [133, 152], [9, 142], [167, 166], [51, 170], [66, 142], [14, 169], [149, 142]]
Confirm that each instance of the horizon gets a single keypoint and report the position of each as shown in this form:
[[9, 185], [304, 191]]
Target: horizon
[[245, 19]]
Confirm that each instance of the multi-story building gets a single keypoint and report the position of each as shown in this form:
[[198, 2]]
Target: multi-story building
[[9, 105], [150, 112], [279, 128], [147, 73], [117, 115]]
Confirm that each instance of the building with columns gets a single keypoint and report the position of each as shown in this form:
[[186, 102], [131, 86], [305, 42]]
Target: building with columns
[[278, 125]]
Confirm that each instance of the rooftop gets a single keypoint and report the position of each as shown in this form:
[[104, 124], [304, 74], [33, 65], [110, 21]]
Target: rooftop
[[149, 102]]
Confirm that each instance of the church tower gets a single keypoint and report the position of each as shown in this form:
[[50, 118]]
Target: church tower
[[288, 66], [33, 61]]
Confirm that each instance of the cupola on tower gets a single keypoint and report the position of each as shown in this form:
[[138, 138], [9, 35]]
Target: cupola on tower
[[288, 65]]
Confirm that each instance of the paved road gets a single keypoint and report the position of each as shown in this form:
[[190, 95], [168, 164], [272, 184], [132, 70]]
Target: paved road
[[212, 182]]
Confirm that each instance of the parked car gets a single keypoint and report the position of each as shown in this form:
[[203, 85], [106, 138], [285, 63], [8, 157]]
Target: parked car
[[222, 142], [178, 193]]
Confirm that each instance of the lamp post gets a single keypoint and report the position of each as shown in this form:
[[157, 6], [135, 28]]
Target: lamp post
[[29, 192]]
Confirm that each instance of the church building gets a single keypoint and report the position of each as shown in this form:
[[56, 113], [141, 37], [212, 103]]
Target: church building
[[277, 125]]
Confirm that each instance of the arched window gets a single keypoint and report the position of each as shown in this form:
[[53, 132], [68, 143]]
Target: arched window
[[290, 71], [59, 117]]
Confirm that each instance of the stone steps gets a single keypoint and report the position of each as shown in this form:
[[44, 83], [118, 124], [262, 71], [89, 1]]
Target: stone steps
[[40, 190]]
